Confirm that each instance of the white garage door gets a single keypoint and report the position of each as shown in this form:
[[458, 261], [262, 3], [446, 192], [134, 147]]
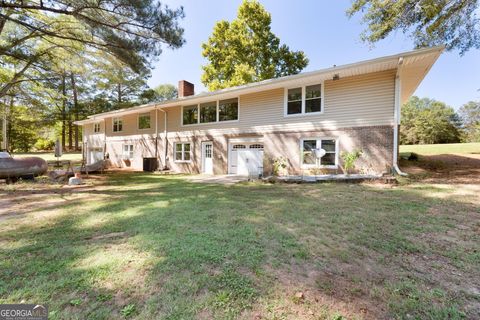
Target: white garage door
[[246, 158]]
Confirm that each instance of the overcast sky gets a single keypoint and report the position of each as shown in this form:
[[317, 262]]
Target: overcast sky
[[322, 30]]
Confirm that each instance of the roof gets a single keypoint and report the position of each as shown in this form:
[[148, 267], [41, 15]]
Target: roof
[[415, 65]]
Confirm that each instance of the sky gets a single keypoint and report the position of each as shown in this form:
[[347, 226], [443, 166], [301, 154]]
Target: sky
[[322, 30]]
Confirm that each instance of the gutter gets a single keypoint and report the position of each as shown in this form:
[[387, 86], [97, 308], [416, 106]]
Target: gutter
[[396, 117]]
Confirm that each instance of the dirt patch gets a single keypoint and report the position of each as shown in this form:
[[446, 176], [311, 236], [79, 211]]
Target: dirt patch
[[445, 168], [308, 292]]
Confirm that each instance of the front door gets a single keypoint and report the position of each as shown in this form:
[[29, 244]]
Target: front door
[[207, 157]]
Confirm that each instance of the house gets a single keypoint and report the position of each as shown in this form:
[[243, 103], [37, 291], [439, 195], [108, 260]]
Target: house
[[241, 130]]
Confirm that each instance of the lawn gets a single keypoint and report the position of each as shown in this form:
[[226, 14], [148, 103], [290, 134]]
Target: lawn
[[434, 149], [145, 246], [73, 156]]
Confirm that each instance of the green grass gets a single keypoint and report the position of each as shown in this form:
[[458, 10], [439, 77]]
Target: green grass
[[433, 149], [73, 156], [144, 246]]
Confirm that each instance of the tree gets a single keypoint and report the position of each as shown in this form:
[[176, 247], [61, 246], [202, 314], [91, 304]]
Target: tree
[[470, 115], [116, 82], [165, 92], [245, 50], [429, 22], [132, 31], [427, 121]]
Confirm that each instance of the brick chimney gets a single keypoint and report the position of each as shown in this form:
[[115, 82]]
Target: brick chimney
[[185, 89]]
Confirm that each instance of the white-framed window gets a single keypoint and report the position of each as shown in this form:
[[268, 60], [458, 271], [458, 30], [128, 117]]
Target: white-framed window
[[183, 152], [117, 124], [96, 127], [144, 121], [211, 112], [127, 151], [308, 154], [304, 100]]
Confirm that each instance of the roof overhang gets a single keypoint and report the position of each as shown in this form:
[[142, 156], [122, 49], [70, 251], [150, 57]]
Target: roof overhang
[[414, 66]]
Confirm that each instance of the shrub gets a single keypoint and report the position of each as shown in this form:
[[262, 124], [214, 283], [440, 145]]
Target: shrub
[[349, 159], [44, 144], [279, 164]]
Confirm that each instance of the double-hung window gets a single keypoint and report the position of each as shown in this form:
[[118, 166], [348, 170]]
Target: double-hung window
[[117, 124], [304, 100], [144, 121], [182, 152], [128, 151], [310, 151], [96, 127]]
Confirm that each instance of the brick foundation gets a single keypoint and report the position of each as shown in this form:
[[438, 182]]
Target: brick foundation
[[375, 142]]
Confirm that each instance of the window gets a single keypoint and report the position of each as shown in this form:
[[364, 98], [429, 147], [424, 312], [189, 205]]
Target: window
[[214, 111], [309, 159], [239, 146], [313, 98], [208, 112], [228, 110], [117, 124], [304, 100], [190, 114], [128, 151], [144, 121], [96, 127], [294, 101], [256, 146], [182, 152]]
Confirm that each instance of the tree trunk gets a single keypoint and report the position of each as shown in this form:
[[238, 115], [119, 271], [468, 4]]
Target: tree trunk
[[70, 131], [4, 122], [75, 106], [64, 111], [119, 88], [8, 124]]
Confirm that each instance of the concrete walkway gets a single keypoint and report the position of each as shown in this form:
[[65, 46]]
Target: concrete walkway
[[226, 179]]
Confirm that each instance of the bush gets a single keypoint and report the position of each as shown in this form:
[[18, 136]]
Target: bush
[[44, 144], [349, 159], [279, 164]]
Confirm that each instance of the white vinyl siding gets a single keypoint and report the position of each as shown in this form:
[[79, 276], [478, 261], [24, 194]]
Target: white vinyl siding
[[366, 100]]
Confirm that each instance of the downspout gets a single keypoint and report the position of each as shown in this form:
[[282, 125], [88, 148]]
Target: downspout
[[398, 86], [165, 143], [105, 140]]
